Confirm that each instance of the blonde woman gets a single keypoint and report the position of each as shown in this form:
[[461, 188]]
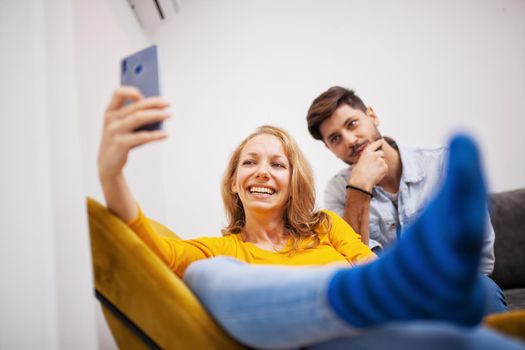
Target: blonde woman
[[269, 198]]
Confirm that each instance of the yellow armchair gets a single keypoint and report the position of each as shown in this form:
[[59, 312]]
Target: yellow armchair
[[145, 304]]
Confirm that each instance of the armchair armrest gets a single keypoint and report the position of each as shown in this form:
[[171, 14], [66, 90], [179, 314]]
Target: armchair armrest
[[136, 282]]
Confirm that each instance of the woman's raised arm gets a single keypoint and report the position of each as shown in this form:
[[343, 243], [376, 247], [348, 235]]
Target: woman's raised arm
[[118, 138]]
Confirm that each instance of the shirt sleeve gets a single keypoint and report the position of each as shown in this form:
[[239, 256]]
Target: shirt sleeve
[[487, 254], [178, 254], [335, 195], [375, 245], [348, 243]]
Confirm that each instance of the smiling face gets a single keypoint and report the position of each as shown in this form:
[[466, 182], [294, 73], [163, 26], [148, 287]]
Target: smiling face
[[348, 131], [262, 178]]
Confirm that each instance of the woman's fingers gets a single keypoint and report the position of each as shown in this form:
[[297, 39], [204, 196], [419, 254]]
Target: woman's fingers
[[118, 109], [121, 94], [121, 117], [120, 121], [135, 139], [142, 104], [140, 118]]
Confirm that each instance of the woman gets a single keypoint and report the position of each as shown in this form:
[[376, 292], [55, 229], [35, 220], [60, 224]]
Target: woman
[[269, 198], [267, 190]]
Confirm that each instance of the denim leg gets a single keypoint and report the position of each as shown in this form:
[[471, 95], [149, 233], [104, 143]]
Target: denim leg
[[495, 301], [423, 335], [276, 307], [271, 307]]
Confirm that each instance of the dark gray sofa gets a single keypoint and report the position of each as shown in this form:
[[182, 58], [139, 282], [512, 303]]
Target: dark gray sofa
[[507, 213]]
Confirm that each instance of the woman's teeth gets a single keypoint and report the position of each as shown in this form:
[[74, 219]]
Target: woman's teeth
[[257, 189]]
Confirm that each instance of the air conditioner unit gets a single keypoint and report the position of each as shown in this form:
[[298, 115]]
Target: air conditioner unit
[[153, 13]]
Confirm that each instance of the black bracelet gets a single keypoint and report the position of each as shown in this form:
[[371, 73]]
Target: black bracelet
[[360, 190]]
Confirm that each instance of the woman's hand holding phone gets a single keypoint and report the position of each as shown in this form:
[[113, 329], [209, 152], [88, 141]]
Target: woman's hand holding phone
[[119, 137]]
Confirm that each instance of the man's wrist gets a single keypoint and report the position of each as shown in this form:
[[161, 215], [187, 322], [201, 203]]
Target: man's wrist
[[355, 188], [362, 184]]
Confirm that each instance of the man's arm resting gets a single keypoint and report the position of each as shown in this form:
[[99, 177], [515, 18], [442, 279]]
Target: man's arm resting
[[357, 213]]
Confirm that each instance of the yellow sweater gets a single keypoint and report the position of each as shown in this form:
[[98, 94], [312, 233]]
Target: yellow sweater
[[339, 245]]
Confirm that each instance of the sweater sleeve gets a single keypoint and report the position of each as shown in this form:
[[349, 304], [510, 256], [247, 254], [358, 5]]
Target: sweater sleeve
[[176, 253], [348, 243]]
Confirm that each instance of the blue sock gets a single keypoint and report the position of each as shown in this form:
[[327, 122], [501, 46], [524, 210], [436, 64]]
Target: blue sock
[[432, 272]]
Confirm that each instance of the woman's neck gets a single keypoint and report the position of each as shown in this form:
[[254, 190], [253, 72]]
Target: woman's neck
[[265, 231]]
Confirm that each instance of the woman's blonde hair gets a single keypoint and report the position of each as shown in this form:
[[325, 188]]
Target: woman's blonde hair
[[300, 218]]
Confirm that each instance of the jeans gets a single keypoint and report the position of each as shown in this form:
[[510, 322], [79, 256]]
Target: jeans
[[495, 300], [277, 307]]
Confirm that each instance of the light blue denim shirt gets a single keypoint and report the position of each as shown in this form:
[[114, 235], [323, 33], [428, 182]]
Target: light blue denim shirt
[[423, 170]]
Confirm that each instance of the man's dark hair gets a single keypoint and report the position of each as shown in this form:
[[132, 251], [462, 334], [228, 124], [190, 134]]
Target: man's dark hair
[[325, 105]]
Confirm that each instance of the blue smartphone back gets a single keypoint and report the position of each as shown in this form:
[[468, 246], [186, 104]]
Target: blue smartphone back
[[141, 70]]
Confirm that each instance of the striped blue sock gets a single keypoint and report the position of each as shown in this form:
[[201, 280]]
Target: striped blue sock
[[432, 272]]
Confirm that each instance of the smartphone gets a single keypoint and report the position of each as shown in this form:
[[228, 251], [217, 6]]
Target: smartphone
[[141, 70]]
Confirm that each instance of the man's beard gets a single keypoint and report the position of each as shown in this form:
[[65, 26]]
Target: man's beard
[[355, 148]]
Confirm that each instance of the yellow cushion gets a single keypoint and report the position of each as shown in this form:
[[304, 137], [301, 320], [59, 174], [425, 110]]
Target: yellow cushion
[[138, 283], [511, 323]]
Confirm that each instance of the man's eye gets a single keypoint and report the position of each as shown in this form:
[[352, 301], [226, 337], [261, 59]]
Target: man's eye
[[352, 124], [334, 140]]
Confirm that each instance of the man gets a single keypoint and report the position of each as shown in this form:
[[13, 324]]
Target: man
[[386, 185]]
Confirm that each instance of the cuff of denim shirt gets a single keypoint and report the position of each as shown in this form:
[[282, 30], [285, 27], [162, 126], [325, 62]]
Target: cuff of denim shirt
[[375, 246]]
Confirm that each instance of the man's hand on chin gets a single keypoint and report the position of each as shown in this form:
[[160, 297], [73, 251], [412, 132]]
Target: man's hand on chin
[[371, 167]]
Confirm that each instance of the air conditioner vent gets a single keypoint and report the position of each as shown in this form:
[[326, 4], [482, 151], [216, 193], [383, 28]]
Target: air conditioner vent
[[153, 13]]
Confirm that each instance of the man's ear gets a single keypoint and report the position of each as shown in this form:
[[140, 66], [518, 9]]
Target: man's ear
[[372, 115]]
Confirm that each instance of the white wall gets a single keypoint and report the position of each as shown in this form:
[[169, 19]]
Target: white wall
[[46, 298], [105, 32]]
